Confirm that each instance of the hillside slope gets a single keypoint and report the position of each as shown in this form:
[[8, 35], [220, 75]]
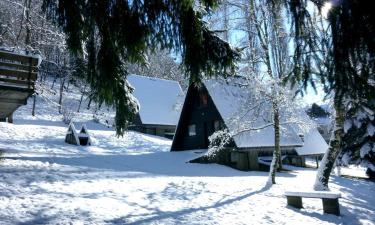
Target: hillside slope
[[134, 179]]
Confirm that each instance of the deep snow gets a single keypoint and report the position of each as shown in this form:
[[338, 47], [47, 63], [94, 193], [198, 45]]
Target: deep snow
[[136, 180]]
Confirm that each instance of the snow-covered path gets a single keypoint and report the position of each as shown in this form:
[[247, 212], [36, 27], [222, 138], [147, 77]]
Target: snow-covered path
[[136, 180]]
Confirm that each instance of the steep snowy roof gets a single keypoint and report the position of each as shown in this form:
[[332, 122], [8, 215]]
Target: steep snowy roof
[[159, 100], [231, 100], [313, 144], [323, 120]]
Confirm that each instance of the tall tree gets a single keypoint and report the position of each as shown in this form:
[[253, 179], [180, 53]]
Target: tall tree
[[121, 31], [351, 61], [266, 56]]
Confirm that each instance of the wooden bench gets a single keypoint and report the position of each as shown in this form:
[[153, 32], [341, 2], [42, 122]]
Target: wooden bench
[[330, 200]]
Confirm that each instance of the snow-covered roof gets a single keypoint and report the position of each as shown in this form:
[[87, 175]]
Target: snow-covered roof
[[313, 144], [159, 100], [231, 100], [323, 120]]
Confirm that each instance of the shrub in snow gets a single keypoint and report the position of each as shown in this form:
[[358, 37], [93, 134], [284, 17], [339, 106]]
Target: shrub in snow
[[68, 114], [218, 141]]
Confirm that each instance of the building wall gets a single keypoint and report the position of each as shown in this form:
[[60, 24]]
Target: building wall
[[166, 131], [153, 129], [201, 112]]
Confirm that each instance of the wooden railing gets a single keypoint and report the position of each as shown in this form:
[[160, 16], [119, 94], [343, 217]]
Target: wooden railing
[[17, 70]]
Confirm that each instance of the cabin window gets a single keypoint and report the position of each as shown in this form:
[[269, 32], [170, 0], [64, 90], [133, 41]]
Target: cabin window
[[192, 130], [203, 99], [217, 125]]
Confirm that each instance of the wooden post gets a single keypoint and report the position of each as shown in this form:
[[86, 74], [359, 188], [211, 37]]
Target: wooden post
[[294, 201], [331, 206], [34, 102], [10, 118]]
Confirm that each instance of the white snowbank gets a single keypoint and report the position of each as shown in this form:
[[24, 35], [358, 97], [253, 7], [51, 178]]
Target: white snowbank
[[136, 180]]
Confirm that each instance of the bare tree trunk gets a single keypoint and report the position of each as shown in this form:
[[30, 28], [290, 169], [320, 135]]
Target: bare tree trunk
[[34, 103], [226, 22], [89, 104], [61, 94], [28, 23], [80, 101], [277, 152], [53, 82], [67, 86], [329, 159]]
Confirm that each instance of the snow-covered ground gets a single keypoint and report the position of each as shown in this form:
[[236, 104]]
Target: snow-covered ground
[[136, 180]]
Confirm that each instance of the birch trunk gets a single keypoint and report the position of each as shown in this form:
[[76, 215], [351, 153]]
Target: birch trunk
[[329, 159], [277, 152], [61, 94]]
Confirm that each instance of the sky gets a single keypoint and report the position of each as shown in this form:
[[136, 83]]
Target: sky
[[312, 97]]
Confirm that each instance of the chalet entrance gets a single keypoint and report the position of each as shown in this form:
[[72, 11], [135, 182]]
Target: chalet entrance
[[205, 135]]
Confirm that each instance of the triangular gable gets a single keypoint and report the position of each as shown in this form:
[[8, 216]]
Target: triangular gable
[[314, 144], [229, 100], [71, 135], [85, 133]]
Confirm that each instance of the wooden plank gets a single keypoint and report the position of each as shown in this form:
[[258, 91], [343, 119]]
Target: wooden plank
[[18, 66], [314, 194], [20, 82], [13, 101], [18, 73], [18, 57]]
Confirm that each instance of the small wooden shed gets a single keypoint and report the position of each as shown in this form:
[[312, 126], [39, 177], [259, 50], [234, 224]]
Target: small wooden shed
[[18, 73], [75, 138], [159, 103]]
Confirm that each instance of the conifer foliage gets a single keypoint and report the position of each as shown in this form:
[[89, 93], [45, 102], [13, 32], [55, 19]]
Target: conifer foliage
[[118, 31], [358, 146], [349, 63]]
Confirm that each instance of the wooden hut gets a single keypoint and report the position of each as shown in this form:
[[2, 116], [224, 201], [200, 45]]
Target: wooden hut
[[18, 73], [77, 138], [159, 103], [213, 106]]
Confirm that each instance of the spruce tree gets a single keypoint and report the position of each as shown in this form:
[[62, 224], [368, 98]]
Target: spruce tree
[[345, 67], [358, 146], [317, 111], [114, 32]]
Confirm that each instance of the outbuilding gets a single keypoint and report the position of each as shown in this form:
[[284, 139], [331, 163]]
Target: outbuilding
[[217, 104], [159, 103]]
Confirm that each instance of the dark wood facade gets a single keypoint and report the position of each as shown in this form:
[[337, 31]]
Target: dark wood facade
[[199, 113], [17, 80], [166, 131]]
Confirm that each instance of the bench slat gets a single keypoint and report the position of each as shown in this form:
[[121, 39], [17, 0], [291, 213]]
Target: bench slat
[[313, 194]]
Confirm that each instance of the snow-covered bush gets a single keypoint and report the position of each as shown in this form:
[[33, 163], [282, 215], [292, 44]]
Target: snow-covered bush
[[218, 141], [358, 145], [68, 114]]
